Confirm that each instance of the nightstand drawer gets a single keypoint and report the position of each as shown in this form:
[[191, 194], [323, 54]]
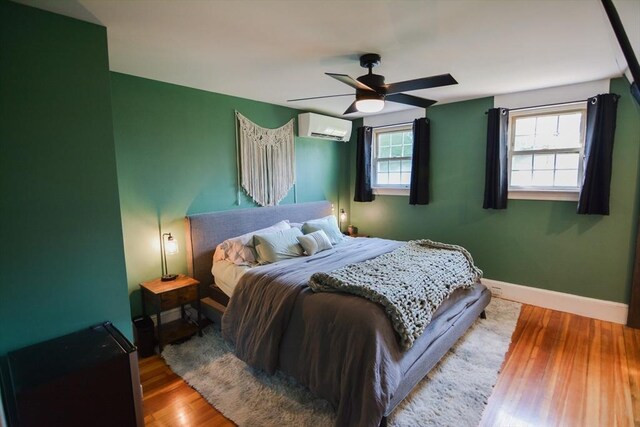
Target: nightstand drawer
[[189, 294], [169, 299], [178, 297]]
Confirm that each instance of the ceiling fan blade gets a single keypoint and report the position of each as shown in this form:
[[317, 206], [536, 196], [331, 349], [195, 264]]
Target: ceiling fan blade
[[319, 97], [403, 98], [352, 108], [348, 80], [423, 83]]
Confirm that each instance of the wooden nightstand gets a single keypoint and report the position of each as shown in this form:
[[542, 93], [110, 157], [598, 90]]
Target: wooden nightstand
[[159, 296]]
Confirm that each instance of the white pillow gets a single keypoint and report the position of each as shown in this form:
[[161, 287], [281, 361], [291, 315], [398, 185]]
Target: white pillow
[[279, 245], [239, 250], [328, 224], [297, 225], [315, 242]]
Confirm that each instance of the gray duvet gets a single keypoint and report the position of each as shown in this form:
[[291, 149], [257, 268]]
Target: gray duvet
[[342, 347]]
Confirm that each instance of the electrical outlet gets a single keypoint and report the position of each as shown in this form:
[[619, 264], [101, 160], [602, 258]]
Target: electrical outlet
[[496, 291]]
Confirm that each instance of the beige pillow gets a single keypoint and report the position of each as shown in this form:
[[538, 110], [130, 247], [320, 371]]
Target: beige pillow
[[239, 250]]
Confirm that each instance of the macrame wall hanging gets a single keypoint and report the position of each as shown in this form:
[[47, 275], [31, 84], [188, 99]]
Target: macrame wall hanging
[[266, 161]]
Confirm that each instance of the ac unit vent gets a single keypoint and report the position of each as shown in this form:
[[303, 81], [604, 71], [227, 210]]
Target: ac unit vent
[[311, 125]]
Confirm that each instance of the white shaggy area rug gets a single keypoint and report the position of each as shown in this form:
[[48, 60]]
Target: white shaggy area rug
[[454, 393]]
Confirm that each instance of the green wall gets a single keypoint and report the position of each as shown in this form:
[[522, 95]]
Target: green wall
[[176, 155], [543, 244], [62, 261]]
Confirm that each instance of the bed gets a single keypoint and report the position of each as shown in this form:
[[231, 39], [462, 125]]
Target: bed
[[342, 347]]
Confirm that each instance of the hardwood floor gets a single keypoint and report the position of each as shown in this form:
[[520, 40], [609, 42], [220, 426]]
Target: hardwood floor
[[567, 370], [169, 401], [561, 370]]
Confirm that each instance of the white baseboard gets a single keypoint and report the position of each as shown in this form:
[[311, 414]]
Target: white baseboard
[[589, 307]]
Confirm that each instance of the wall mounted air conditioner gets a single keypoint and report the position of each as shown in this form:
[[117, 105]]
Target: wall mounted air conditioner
[[311, 125]]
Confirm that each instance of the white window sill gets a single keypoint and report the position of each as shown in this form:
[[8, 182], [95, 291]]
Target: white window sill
[[390, 191], [568, 196]]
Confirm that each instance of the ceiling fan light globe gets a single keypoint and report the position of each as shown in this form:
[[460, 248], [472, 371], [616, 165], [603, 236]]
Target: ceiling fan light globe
[[369, 105]]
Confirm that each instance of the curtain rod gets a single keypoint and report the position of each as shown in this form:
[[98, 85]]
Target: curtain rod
[[543, 105], [391, 125], [550, 105]]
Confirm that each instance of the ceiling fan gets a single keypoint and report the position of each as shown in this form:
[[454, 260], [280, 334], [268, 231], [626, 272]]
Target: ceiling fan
[[372, 92]]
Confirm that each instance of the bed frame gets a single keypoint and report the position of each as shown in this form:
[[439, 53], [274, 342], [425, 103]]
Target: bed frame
[[206, 231]]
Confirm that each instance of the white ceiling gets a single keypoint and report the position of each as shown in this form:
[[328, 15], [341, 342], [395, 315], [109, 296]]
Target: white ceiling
[[274, 50]]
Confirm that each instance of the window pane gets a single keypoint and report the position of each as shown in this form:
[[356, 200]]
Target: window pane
[[408, 137], [405, 178], [396, 151], [543, 161], [542, 178], [394, 165], [523, 142], [521, 162], [526, 126], [566, 140], [407, 150], [566, 178], [383, 178], [384, 140], [546, 125], [406, 166], [383, 166], [569, 122], [396, 138], [569, 131], [384, 152], [546, 131], [394, 178], [521, 178], [567, 161]]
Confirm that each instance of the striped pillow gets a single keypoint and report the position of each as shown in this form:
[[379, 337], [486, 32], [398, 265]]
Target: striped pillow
[[315, 242]]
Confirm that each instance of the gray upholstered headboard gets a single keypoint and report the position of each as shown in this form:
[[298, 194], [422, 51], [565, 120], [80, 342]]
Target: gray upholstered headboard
[[205, 231]]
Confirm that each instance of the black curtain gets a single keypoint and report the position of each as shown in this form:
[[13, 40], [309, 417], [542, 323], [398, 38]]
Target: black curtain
[[598, 154], [496, 173], [419, 191], [363, 192]]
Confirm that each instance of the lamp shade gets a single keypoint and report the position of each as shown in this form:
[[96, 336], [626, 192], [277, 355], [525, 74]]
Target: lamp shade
[[369, 105], [343, 215], [171, 245]]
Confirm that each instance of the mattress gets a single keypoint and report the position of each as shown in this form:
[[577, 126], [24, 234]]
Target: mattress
[[227, 274]]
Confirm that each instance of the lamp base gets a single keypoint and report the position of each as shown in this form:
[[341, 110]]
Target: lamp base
[[168, 277]]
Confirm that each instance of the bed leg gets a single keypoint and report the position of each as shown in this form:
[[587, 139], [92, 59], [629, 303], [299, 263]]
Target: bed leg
[[483, 315], [383, 422]]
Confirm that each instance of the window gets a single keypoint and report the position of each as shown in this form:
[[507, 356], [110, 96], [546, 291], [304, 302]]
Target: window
[[545, 152], [391, 163]]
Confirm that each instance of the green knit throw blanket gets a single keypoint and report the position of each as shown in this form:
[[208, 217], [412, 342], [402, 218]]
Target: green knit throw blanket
[[410, 282]]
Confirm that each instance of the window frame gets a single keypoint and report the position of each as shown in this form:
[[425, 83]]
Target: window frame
[[388, 189], [546, 193]]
